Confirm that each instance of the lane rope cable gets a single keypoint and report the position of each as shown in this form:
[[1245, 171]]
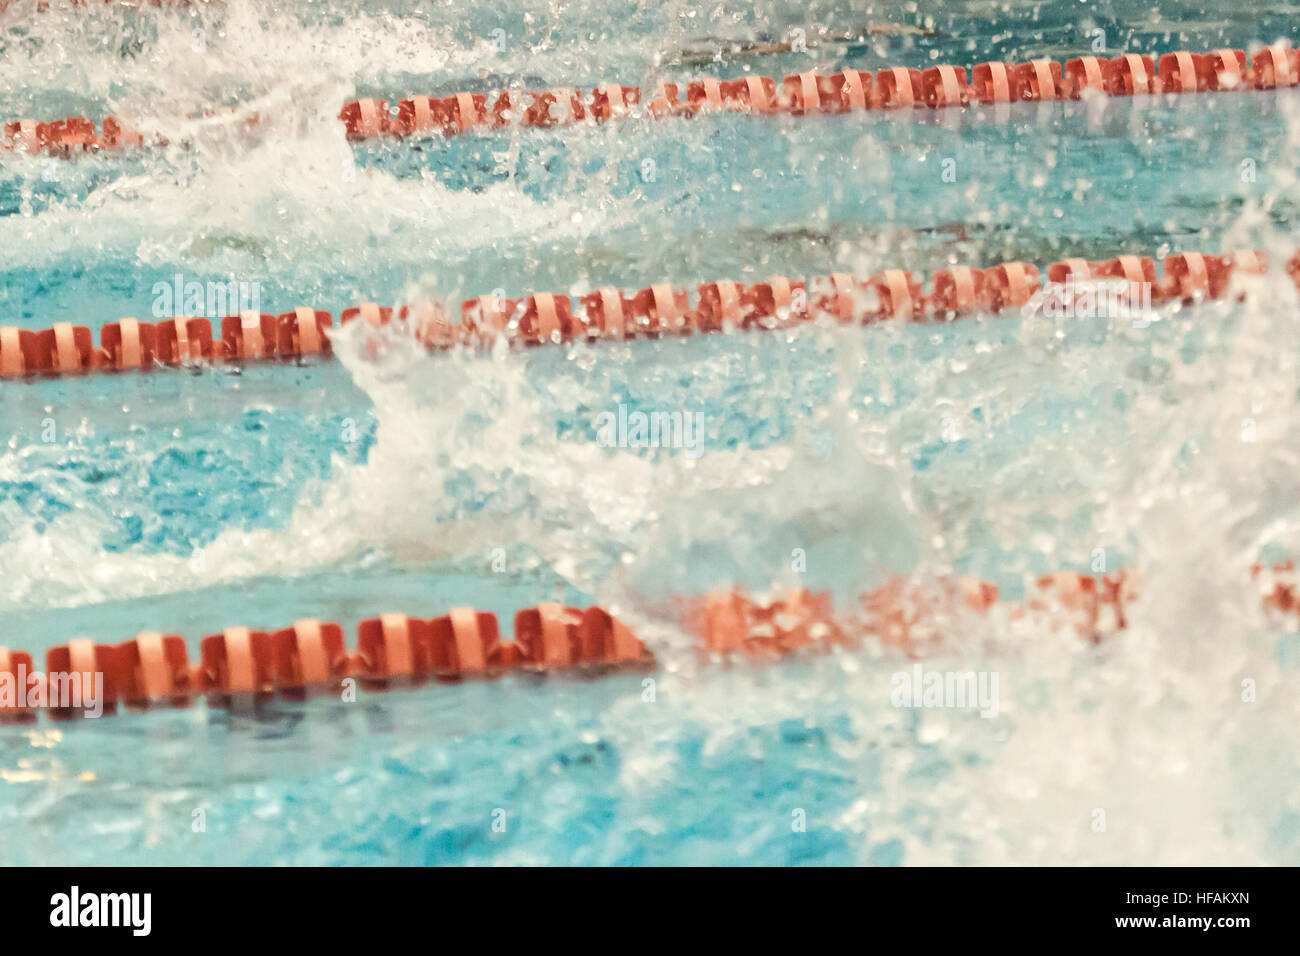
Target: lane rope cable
[[798, 94], [241, 666], [608, 313]]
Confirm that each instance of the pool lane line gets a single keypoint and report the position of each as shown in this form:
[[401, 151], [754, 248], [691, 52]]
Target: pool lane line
[[245, 665], [799, 94], [242, 667], [660, 310], [812, 92]]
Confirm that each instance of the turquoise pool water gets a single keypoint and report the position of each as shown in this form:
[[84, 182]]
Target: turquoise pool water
[[997, 447]]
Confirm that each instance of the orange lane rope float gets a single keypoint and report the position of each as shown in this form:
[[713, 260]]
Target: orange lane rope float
[[310, 658], [810, 92], [610, 313], [392, 650], [799, 94]]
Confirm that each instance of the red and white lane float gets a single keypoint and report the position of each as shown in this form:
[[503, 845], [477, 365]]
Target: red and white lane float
[[943, 86], [545, 318], [310, 658]]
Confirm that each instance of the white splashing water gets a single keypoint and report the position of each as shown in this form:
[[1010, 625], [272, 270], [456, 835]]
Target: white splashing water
[[1149, 728]]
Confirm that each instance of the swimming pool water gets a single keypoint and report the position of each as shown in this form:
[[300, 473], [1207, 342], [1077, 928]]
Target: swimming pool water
[[997, 447]]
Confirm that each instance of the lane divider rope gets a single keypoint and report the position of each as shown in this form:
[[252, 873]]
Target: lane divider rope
[[608, 313], [798, 94], [811, 92], [310, 656], [243, 666]]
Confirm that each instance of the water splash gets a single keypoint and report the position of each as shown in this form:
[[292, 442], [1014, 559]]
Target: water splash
[[999, 447]]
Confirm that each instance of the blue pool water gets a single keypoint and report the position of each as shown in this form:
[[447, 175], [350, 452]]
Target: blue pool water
[[1000, 447]]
